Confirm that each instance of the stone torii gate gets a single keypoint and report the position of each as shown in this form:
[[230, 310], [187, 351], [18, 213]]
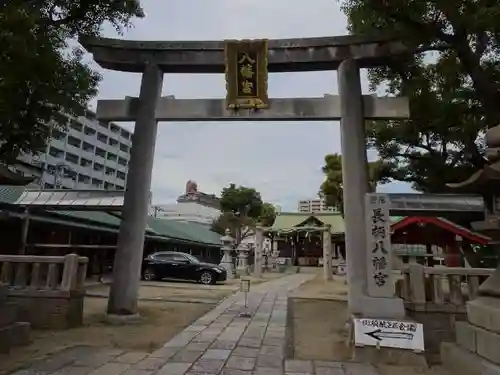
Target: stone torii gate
[[347, 54]]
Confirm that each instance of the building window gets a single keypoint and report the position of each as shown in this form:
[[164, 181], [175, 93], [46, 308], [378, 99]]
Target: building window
[[111, 156], [125, 134], [48, 186], [119, 187], [83, 178], [72, 158], [124, 148], [110, 171], [57, 134], [88, 147], [85, 162], [113, 142], [102, 138], [120, 175], [76, 125], [70, 174], [100, 152], [122, 161], [55, 152], [115, 128], [108, 186], [75, 142], [104, 124], [89, 131], [98, 167], [96, 182], [51, 169]]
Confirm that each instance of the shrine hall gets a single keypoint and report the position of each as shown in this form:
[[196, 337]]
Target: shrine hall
[[427, 240]]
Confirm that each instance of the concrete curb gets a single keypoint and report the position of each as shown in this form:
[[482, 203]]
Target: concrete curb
[[178, 300]]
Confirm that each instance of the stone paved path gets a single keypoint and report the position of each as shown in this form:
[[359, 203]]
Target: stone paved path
[[220, 342]]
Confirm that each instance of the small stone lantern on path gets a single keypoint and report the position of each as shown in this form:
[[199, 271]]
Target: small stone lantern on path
[[227, 245], [242, 267]]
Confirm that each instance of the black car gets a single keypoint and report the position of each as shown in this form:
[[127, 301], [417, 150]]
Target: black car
[[174, 265]]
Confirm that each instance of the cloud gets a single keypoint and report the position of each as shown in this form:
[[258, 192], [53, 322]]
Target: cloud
[[281, 160]]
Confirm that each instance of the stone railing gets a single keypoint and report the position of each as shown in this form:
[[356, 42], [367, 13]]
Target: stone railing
[[44, 273], [48, 290], [441, 286], [436, 297]]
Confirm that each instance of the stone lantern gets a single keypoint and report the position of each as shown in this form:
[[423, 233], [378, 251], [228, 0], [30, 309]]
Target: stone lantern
[[227, 245], [242, 266]]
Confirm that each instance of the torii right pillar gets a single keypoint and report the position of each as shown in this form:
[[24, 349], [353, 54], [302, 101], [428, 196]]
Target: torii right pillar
[[355, 188]]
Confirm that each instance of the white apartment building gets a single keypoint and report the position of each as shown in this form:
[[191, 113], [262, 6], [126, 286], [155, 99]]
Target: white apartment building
[[314, 205], [90, 155], [193, 206]]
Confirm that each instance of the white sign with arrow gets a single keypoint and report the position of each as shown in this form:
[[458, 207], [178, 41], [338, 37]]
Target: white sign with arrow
[[389, 333]]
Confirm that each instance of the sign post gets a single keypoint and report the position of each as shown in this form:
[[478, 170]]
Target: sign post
[[389, 333], [245, 288], [246, 74]]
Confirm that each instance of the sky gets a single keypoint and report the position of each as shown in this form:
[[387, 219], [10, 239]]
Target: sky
[[281, 160]]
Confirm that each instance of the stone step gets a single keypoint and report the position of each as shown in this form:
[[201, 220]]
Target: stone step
[[15, 334], [8, 314], [478, 340], [460, 361]]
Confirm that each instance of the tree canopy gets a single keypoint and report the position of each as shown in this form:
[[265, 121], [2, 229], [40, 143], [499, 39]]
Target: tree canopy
[[42, 72], [242, 209], [241, 200], [454, 91], [267, 215], [332, 188]]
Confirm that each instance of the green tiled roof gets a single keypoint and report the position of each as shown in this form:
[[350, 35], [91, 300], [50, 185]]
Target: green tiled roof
[[94, 216], [287, 220], [192, 232], [186, 232], [101, 217], [10, 194], [198, 232], [99, 220]]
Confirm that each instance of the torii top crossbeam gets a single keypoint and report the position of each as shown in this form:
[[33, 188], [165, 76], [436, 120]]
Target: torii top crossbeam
[[285, 55]]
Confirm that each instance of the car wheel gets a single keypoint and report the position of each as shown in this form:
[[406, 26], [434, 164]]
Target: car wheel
[[149, 274], [207, 278]]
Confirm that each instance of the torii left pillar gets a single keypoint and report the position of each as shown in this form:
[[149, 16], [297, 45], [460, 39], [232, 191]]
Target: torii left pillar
[[128, 256]]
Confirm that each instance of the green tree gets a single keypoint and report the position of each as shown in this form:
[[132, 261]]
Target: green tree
[[332, 187], [241, 208], [42, 73], [268, 215], [454, 91]]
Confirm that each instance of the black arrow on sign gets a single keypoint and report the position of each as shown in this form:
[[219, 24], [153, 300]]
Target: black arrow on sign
[[378, 335]]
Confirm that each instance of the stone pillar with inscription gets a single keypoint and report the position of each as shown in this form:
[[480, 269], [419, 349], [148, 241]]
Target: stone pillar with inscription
[[381, 308], [381, 301]]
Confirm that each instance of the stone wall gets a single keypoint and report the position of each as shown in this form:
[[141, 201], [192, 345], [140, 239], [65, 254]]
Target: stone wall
[[439, 325], [50, 309]]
